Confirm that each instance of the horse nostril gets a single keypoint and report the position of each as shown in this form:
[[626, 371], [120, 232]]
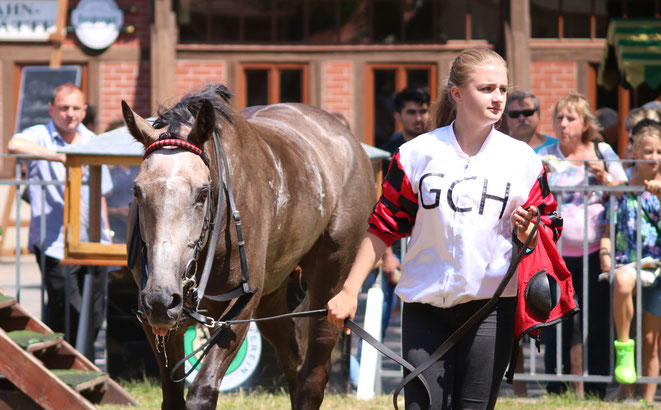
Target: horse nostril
[[145, 305], [176, 301]]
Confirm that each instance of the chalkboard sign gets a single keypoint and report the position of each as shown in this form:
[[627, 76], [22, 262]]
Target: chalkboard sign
[[37, 85]]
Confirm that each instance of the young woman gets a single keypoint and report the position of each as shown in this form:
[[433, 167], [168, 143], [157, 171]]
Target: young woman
[[458, 192], [646, 146]]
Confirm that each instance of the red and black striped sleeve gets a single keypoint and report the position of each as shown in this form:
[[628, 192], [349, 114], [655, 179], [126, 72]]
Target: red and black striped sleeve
[[541, 197], [394, 214]]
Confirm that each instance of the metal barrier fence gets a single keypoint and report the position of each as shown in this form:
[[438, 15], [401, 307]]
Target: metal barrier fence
[[531, 374]]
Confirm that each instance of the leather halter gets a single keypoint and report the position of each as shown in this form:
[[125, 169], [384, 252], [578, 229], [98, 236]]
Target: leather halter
[[193, 293]]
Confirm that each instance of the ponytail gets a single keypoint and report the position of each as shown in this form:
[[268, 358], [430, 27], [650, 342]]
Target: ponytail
[[443, 110]]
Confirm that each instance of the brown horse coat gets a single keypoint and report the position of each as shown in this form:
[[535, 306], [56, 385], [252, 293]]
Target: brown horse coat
[[304, 188]]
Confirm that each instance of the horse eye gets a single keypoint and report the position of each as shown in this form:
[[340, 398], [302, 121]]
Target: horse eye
[[202, 195]]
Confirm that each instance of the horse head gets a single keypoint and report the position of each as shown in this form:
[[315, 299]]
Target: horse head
[[172, 191]]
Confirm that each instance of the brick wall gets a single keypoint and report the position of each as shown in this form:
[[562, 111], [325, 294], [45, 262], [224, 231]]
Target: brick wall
[[337, 87], [194, 74], [551, 80], [127, 81]]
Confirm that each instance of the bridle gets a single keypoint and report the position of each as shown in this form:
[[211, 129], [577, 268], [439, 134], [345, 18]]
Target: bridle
[[192, 292]]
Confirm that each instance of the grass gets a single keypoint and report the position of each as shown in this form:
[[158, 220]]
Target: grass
[[148, 393]]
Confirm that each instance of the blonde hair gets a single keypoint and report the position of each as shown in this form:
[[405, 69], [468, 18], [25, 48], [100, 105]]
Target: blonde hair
[[638, 114], [444, 110], [582, 107], [652, 130]]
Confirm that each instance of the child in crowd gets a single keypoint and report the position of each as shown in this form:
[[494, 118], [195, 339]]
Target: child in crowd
[[646, 146], [634, 117]]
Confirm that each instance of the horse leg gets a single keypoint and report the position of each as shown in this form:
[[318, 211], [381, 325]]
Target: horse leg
[[323, 278], [315, 371], [203, 392], [281, 333], [168, 352]]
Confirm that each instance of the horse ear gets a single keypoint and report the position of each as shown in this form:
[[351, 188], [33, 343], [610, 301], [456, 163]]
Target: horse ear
[[204, 126], [139, 128]]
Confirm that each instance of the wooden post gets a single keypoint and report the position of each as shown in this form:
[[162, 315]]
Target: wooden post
[[518, 44], [622, 111], [163, 53], [57, 38]]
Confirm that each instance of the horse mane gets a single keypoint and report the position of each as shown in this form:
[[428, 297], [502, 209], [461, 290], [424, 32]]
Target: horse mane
[[185, 111]]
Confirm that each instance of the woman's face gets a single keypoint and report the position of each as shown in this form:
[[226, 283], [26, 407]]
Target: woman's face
[[568, 126], [649, 149], [482, 99]]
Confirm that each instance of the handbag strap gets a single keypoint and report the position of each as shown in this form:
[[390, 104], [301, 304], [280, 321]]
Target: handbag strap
[[599, 154]]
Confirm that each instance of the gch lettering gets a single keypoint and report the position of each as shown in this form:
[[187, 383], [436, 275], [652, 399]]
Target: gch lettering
[[435, 193]]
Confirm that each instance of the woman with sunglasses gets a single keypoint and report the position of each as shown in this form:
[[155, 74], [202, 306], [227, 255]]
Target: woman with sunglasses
[[575, 127]]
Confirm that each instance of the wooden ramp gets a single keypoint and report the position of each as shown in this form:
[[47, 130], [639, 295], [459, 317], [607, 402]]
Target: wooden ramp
[[47, 370]]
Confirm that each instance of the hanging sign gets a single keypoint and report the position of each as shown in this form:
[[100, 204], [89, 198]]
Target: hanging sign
[[97, 22], [22, 20]]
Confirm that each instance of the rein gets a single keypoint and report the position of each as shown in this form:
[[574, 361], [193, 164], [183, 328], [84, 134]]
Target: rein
[[348, 323]]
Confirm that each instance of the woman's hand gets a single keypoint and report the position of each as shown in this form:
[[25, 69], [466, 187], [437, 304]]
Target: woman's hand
[[521, 220], [342, 306], [598, 169]]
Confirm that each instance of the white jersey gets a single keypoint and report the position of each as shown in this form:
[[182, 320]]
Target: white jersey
[[457, 210]]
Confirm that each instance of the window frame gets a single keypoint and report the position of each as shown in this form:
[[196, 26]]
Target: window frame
[[400, 83], [273, 69]]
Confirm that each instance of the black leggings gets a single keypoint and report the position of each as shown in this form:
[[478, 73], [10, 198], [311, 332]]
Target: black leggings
[[469, 375]]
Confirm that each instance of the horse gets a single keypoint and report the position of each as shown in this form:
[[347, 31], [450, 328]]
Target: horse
[[303, 187]]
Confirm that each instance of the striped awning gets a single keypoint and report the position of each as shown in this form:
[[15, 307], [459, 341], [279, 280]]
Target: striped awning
[[632, 55]]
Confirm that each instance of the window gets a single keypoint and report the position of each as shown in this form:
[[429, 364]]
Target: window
[[383, 82], [584, 19], [261, 84], [337, 21]]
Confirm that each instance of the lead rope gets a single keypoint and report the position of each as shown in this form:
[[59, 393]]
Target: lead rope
[[348, 323]]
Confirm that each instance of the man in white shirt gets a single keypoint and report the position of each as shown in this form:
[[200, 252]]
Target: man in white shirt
[[67, 110]]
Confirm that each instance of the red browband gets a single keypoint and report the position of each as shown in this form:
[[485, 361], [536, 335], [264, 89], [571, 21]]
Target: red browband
[[172, 142]]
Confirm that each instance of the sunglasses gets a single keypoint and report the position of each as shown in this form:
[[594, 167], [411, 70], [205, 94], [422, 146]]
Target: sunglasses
[[516, 114]]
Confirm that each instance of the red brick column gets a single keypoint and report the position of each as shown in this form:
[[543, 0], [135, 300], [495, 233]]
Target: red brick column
[[337, 88], [129, 81], [551, 80]]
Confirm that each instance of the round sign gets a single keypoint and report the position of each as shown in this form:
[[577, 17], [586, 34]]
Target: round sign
[[97, 22], [241, 368]]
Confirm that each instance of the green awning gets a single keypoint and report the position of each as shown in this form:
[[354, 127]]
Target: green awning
[[632, 55]]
